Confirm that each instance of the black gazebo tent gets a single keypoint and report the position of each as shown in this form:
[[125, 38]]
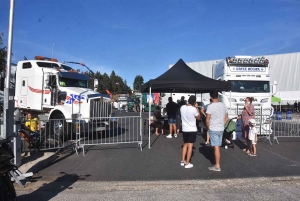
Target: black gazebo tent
[[182, 79]]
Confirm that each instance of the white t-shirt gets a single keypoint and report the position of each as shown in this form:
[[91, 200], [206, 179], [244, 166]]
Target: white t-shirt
[[252, 132], [188, 118], [217, 113]]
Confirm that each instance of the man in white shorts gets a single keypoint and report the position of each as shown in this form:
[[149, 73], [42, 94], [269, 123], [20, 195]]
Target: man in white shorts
[[216, 118]]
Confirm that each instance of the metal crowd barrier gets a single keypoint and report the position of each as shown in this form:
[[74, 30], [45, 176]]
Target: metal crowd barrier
[[264, 127], [286, 126], [78, 133], [116, 130], [262, 117]]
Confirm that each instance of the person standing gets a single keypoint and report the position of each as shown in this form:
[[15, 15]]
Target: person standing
[[182, 101], [216, 118], [32, 123], [247, 113], [252, 136], [178, 117], [120, 106], [189, 113], [171, 108], [203, 112]]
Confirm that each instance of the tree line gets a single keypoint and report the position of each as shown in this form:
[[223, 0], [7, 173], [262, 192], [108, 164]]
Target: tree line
[[113, 83]]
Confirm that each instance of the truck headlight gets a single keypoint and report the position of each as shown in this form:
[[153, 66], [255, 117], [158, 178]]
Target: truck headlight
[[231, 99], [265, 100]]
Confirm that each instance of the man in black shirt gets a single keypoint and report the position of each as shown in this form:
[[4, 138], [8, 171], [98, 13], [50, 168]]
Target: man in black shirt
[[172, 109]]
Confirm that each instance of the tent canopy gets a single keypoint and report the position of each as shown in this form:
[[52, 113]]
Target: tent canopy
[[275, 99], [182, 79]]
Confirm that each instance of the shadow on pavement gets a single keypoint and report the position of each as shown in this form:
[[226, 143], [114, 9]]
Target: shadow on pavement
[[49, 191], [207, 152]]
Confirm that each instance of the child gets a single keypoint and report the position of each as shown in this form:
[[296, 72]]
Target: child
[[252, 137]]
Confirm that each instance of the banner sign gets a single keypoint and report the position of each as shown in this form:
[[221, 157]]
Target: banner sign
[[248, 69]]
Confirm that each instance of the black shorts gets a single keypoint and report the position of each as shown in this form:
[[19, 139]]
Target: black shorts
[[189, 137]]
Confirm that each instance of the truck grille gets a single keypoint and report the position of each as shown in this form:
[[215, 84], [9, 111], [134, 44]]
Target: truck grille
[[100, 108], [258, 111]]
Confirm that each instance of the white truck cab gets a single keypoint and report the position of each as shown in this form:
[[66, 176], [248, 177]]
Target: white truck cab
[[249, 77], [54, 90]]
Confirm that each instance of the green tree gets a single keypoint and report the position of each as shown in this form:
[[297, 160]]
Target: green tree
[[3, 60], [138, 81], [106, 83], [3, 55], [112, 83]]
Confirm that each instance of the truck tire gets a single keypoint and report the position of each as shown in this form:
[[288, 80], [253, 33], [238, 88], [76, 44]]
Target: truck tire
[[60, 128]]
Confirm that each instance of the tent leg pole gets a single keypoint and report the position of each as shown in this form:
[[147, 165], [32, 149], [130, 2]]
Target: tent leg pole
[[149, 146]]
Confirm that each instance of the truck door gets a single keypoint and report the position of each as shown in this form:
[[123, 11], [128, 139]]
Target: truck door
[[24, 86]]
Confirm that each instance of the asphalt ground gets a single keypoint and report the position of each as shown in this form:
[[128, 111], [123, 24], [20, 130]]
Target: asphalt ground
[[125, 162]]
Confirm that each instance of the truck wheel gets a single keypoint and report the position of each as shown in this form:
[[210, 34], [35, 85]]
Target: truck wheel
[[59, 126]]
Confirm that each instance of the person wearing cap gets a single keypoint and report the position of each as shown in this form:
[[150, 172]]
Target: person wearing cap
[[189, 113], [252, 137], [216, 118]]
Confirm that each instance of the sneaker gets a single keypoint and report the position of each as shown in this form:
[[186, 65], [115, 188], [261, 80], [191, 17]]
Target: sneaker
[[214, 168], [169, 136], [175, 135], [252, 154], [188, 165], [182, 163]]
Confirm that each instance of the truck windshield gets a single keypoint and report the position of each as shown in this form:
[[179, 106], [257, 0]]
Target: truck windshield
[[67, 82], [250, 86]]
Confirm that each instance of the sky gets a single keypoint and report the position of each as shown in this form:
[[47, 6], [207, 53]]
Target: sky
[[143, 37]]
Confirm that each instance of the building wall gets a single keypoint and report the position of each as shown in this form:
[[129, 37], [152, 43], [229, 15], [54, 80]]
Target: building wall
[[284, 68]]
